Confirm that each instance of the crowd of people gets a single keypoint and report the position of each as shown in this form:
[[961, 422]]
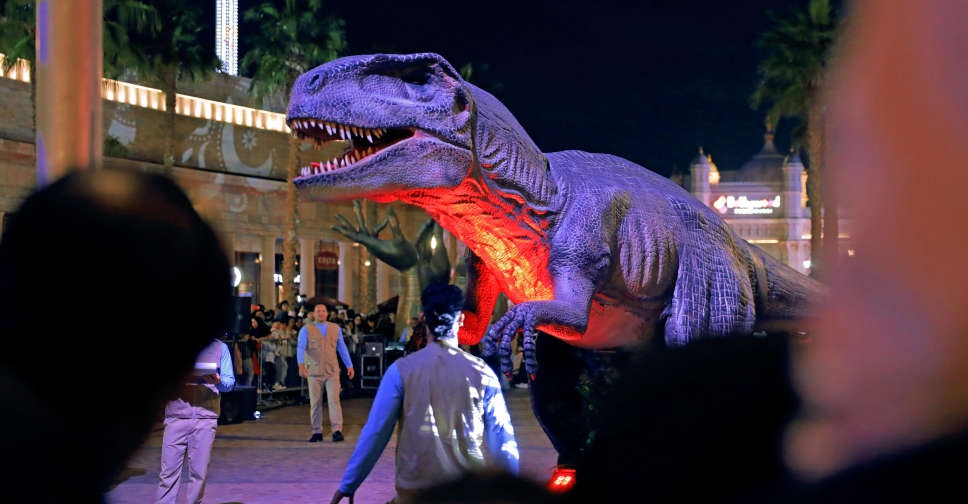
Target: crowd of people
[[265, 357], [265, 353]]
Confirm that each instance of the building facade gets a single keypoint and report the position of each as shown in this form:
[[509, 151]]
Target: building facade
[[765, 201]]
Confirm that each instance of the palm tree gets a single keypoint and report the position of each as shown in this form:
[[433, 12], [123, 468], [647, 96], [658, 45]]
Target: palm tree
[[18, 32], [122, 17], [293, 37], [18, 36], [176, 51], [793, 73]]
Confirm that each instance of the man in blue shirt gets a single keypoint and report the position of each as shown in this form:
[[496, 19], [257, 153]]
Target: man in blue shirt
[[444, 402], [316, 350]]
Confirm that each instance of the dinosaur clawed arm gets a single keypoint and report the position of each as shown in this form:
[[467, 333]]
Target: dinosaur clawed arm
[[566, 314], [574, 272], [569, 317], [396, 252]]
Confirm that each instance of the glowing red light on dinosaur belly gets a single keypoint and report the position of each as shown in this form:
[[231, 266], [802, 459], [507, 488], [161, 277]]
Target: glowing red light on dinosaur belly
[[506, 235], [520, 263]]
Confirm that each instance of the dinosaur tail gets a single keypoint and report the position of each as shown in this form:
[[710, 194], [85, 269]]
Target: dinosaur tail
[[785, 297]]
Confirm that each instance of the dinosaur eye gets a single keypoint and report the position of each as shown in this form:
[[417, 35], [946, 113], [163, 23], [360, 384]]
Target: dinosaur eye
[[418, 75], [460, 101]]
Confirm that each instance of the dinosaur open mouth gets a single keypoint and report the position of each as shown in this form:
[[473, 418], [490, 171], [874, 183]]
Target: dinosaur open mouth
[[358, 142]]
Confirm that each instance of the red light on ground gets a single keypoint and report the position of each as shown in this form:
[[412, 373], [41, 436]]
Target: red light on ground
[[562, 479]]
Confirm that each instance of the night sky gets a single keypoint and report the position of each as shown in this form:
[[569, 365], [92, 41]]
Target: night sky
[[650, 81]]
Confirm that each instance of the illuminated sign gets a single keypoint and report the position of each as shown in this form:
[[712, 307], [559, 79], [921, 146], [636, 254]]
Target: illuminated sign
[[743, 205], [327, 260]]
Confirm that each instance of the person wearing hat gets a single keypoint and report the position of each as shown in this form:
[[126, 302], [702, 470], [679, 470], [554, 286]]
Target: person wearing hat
[[316, 349]]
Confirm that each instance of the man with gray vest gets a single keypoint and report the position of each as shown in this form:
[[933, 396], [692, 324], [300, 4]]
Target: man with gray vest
[[190, 423], [447, 405], [316, 349]]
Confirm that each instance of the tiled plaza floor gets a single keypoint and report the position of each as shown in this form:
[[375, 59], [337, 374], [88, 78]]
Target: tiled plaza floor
[[269, 461]]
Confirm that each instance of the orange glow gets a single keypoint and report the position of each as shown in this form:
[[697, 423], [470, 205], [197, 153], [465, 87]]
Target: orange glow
[[506, 235]]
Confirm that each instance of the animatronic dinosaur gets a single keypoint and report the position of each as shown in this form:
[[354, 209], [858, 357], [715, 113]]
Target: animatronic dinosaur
[[592, 249]]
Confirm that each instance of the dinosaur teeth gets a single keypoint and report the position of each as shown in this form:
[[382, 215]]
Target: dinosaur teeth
[[338, 163], [324, 131]]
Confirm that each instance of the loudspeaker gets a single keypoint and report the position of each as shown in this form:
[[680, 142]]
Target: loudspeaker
[[371, 371], [238, 405], [373, 348], [391, 355], [241, 311]]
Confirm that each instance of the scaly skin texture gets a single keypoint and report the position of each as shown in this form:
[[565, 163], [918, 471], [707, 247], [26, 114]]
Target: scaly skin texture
[[591, 248]]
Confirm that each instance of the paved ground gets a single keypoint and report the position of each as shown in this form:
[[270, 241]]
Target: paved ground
[[269, 461]]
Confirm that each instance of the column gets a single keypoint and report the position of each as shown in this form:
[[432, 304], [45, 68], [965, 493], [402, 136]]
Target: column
[[307, 267], [68, 87], [793, 186], [383, 289], [412, 295], [267, 267], [348, 257], [369, 210]]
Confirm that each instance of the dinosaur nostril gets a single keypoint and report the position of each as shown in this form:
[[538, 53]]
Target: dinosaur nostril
[[313, 81]]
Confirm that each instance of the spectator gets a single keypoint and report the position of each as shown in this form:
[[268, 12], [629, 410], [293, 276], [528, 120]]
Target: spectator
[[144, 229], [316, 351], [418, 336], [283, 309], [301, 308], [247, 349], [408, 331], [267, 354], [363, 324], [449, 407], [284, 338], [191, 420]]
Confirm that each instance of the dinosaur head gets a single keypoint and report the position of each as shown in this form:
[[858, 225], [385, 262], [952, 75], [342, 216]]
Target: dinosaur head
[[384, 124]]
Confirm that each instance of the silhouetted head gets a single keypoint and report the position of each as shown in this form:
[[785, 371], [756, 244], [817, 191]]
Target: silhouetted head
[[442, 306], [90, 394]]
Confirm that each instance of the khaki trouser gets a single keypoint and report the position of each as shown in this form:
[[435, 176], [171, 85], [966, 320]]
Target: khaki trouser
[[316, 384], [185, 439]]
